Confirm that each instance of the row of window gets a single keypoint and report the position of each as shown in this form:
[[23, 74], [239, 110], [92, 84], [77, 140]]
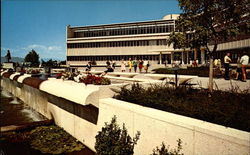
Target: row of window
[[118, 44], [126, 31], [113, 57]]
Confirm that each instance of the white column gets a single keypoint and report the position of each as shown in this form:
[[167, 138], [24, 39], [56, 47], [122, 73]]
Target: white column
[[172, 57], [182, 57], [202, 56], [160, 57]]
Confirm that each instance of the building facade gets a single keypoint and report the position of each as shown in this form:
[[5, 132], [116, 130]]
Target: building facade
[[141, 40]]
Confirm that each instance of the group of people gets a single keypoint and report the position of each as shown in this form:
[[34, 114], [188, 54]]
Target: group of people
[[134, 64], [110, 65], [242, 63]]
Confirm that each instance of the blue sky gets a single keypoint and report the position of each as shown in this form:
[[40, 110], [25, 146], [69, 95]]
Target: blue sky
[[41, 24]]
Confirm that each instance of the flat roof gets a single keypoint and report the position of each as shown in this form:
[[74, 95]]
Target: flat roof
[[122, 24]]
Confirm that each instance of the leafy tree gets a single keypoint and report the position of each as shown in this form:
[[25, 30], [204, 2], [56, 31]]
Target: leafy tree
[[113, 140], [204, 23], [8, 56], [164, 150], [32, 57]]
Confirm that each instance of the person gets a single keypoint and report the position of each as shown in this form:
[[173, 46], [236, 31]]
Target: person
[[88, 67], [109, 68], [244, 60], [140, 65], [130, 64], [227, 61], [113, 64], [123, 66], [135, 63], [146, 65], [195, 63], [238, 70]]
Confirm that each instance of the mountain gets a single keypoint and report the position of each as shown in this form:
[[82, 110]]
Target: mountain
[[13, 59]]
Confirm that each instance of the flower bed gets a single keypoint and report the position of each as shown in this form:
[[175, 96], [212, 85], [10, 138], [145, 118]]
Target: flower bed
[[33, 82], [96, 80], [7, 74], [225, 108]]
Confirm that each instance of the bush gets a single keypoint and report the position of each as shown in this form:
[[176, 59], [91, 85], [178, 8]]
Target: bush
[[112, 140], [199, 71], [165, 150], [96, 80], [224, 108]]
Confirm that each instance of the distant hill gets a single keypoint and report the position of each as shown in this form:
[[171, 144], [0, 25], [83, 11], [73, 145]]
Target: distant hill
[[13, 59]]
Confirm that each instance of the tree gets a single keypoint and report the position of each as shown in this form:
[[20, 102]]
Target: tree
[[8, 56], [204, 23], [32, 57]]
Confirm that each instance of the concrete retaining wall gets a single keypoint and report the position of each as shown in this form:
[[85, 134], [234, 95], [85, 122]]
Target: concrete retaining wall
[[84, 121]]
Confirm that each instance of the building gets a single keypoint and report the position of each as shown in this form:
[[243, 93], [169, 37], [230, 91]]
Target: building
[[141, 40]]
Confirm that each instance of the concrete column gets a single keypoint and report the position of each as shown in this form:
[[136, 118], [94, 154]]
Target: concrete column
[[160, 57], [187, 57], [172, 57], [182, 57], [203, 56], [195, 54]]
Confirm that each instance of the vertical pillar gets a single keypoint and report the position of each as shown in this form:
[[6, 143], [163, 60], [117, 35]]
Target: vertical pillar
[[187, 57], [202, 56], [172, 57], [195, 54], [182, 57], [160, 57]]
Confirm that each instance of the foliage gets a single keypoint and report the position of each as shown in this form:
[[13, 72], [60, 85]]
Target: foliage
[[96, 80], [165, 150], [220, 107], [199, 71], [32, 57], [49, 63], [32, 71], [8, 56], [54, 140], [112, 140]]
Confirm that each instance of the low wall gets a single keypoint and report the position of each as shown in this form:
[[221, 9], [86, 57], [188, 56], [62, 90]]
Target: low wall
[[84, 121]]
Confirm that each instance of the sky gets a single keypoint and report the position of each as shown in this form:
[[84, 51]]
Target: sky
[[41, 24]]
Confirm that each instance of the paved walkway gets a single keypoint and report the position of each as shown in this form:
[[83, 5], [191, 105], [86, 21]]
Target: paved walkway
[[221, 83]]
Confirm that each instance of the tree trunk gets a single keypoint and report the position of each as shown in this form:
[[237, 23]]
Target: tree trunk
[[211, 65]]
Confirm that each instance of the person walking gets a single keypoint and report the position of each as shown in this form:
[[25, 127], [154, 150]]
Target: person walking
[[135, 64], [130, 64], [227, 61], [244, 60], [140, 65], [146, 65], [123, 66]]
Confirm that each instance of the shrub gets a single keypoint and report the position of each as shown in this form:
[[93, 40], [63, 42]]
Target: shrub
[[165, 150], [224, 108], [96, 80], [112, 140]]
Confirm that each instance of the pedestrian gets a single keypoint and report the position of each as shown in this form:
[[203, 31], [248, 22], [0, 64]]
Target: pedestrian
[[130, 64], [113, 64], [135, 64], [244, 60], [227, 61], [146, 65], [239, 69], [88, 67], [123, 66], [140, 65], [109, 68]]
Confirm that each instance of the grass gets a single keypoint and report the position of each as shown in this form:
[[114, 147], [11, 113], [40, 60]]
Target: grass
[[230, 109]]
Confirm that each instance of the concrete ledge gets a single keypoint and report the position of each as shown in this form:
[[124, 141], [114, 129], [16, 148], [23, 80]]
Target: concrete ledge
[[70, 90], [199, 137], [13, 75], [21, 78]]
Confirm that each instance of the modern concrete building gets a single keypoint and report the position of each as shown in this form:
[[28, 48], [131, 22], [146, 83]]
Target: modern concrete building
[[143, 40]]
